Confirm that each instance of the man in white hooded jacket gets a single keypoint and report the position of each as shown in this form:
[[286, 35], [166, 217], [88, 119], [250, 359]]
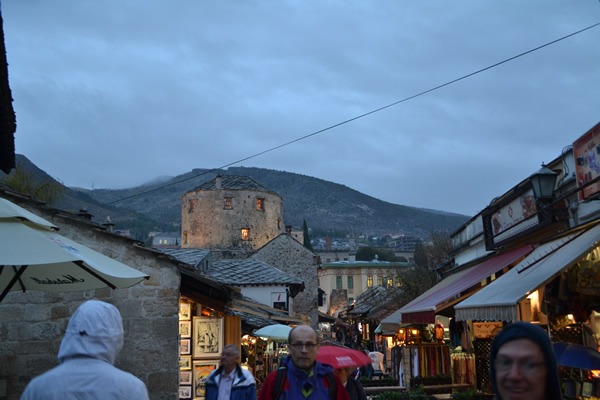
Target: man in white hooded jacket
[[87, 354]]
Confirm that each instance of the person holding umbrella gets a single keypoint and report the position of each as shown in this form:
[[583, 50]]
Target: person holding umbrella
[[345, 361], [353, 386]]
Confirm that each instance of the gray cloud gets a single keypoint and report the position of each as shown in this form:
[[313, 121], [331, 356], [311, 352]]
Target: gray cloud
[[113, 94]]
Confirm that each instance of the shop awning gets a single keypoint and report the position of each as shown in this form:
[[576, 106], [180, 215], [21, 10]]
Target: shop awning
[[499, 300], [423, 309], [387, 329]]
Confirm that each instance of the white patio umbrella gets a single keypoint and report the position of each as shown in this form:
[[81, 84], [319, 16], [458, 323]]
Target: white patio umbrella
[[276, 332], [34, 257]]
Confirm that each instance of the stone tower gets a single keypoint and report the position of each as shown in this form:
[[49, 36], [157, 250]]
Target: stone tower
[[230, 212]]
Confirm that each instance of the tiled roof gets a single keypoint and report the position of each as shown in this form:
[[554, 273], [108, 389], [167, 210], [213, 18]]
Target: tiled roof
[[255, 315], [365, 264], [376, 298], [232, 182], [188, 256], [248, 272]]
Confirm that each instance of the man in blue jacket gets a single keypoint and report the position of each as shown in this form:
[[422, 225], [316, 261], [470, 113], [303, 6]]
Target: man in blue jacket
[[301, 376], [230, 381]]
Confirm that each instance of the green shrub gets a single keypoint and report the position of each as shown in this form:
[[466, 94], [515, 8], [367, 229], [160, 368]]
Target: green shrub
[[431, 380], [470, 394], [415, 394]]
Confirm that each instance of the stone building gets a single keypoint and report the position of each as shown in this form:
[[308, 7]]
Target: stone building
[[32, 323], [290, 256], [230, 212], [351, 278], [236, 217]]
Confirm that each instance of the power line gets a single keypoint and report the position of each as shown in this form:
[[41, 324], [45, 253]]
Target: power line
[[362, 115]]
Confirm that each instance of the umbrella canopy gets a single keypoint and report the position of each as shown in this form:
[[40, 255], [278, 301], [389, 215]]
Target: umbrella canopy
[[9, 211], [277, 332], [576, 356], [34, 257], [342, 357]]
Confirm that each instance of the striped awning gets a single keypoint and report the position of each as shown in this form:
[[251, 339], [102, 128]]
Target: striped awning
[[446, 293], [499, 300]]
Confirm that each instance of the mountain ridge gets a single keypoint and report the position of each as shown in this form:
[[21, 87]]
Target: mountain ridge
[[326, 206]]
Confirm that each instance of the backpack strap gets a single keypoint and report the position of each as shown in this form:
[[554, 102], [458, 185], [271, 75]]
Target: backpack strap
[[281, 377], [332, 386], [279, 382]]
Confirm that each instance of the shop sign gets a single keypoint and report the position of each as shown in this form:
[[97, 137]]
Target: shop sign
[[279, 300], [586, 151], [486, 330], [515, 218]]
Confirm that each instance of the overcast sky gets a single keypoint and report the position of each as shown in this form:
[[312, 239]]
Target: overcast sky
[[114, 93]]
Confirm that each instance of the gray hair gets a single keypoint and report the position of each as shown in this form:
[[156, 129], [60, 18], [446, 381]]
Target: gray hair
[[234, 347]]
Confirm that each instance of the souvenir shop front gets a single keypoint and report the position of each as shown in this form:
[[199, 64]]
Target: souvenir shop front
[[212, 315], [264, 356], [557, 287], [417, 352], [203, 331], [434, 344]]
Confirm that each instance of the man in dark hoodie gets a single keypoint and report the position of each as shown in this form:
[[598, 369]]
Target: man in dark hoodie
[[523, 365]]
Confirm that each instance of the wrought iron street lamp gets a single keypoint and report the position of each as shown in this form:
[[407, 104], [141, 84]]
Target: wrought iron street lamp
[[543, 182]]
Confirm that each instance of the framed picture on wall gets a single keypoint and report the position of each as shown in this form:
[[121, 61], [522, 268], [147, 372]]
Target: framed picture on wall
[[185, 392], [207, 337], [185, 329], [201, 371], [185, 311], [185, 362], [185, 378], [185, 346]]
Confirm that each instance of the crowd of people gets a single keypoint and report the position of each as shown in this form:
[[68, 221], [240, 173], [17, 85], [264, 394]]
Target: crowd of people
[[523, 366]]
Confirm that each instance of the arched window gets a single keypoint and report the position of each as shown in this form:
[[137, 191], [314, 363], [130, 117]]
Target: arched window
[[338, 282]]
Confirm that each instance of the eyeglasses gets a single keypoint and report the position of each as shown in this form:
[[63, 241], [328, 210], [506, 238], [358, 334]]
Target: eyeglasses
[[527, 367], [300, 346]]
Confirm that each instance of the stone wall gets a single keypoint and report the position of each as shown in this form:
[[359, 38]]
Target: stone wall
[[206, 223], [338, 300], [32, 323], [288, 255]]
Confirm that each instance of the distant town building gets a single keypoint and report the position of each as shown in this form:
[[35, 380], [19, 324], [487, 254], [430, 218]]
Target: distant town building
[[351, 278], [166, 239]]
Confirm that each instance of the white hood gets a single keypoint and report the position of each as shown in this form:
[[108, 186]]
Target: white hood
[[95, 330]]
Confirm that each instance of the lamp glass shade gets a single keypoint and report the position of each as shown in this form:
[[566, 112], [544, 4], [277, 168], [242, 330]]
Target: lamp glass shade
[[543, 182]]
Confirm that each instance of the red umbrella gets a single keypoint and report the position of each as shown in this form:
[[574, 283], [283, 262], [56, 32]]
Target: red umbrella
[[342, 357]]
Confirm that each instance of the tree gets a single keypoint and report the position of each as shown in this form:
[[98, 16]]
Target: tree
[[307, 243], [49, 191], [368, 253], [427, 257]]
